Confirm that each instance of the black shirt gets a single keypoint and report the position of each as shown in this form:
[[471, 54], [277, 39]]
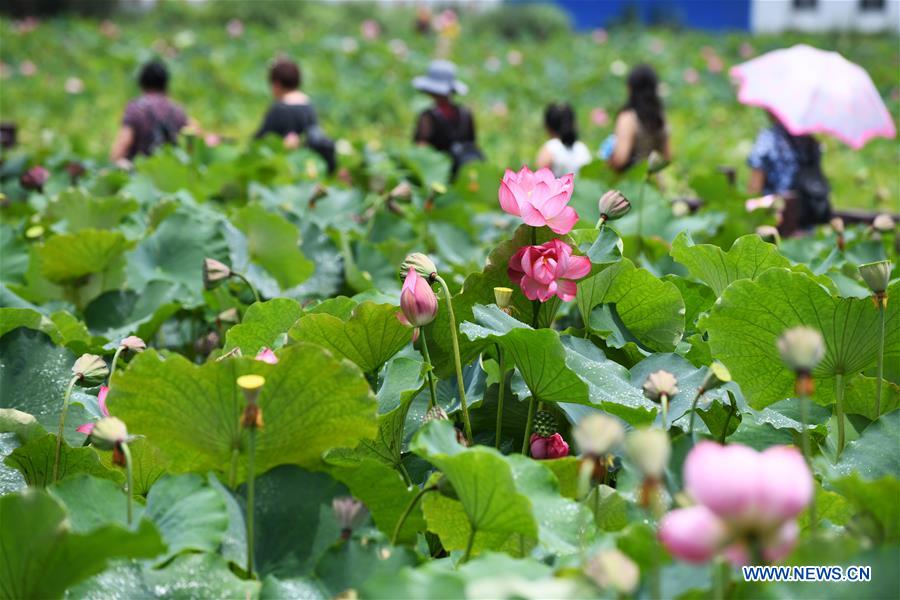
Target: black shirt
[[283, 119], [441, 131]]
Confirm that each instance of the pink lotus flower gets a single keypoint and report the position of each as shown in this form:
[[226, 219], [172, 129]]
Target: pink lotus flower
[[27, 68], [553, 446], [599, 117], [539, 198], [370, 29], [267, 356], [691, 76], [74, 85], [87, 428], [764, 202], [548, 270], [235, 28], [418, 304], [600, 36], [741, 494], [746, 50]]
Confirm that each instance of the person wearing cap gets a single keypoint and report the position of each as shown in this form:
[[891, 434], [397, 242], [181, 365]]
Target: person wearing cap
[[446, 126]]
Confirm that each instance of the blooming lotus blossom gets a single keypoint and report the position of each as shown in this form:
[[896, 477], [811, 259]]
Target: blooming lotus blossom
[[34, 178], [548, 270], [87, 428], [267, 356], [370, 29], [743, 496], [539, 198], [553, 446], [235, 28], [418, 304]]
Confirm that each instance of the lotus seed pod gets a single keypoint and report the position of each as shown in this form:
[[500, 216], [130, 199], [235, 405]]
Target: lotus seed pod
[[423, 265], [108, 433], [649, 450], [503, 297], [801, 348], [544, 423], [717, 374], [133, 343], [613, 205], [251, 384], [659, 384], [883, 223], [349, 513], [214, 272], [877, 275], [612, 569], [598, 434], [90, 370]]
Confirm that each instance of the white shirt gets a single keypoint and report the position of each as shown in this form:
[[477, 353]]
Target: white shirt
[[567, 160]]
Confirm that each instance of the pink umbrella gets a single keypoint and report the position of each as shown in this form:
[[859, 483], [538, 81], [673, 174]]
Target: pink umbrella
[[814, 91]]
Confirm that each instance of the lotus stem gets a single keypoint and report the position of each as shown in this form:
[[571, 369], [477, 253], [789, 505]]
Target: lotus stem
[[640, 216], [232, 474], [728, 421], [112, 367], [62, 425], [664, 402], [694, 403], [528, 425], [720, 576], [459, 374], [839, 411], [500, 393], [535, 313], [407, 512], [251, 485], [880, 368], [804, 419], [432, 387], [249, 285], [129, 478], [600, 223], [469, 545]]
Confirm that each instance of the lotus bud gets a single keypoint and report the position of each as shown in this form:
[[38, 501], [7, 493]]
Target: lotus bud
[[801, 348], [613, 205], [34, 232], [612, 569], [837, 225], [133, 343], [656, 163], [649, 450], [659, 384], [717, 375], [877, 275], [349, 513], [90, 370], [503, 298], [883, 223], [214, 272], [418, 303], [680, 208], [108, 433], [423, 265], [597, 434], [251, 385], [35, 178], [767, 232], [403, 191]]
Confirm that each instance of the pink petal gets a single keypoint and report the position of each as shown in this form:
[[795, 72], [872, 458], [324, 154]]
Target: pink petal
[[86, 429], [531, 215], [101, 401], [538, 446], [693, 534], [724, 478], [508, 201], [552, 204], [563, 222], [531, 288], [566, 290], [577, 267], [787, 487], [402, 318], [779, 546], [267, 356]]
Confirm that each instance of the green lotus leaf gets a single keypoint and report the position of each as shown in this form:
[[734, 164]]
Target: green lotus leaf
[[273, 244], [71, 256], [262, 325]]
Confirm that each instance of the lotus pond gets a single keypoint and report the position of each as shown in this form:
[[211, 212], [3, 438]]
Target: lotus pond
[[227, 375]]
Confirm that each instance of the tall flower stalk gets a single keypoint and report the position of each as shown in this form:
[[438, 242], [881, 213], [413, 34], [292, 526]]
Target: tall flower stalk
[[877, 275], [251, 421], [467, 424], [110, 433], [88, 370]]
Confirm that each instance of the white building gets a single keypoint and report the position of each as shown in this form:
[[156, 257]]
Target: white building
[[772, 16]]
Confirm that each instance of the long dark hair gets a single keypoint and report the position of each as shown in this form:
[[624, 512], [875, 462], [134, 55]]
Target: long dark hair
[[643, 98], [560, 119]]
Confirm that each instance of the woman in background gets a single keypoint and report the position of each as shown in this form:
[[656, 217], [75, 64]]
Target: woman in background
[[563, 153], [291, 116], [446, 126], [151, 120], [641, 123]]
